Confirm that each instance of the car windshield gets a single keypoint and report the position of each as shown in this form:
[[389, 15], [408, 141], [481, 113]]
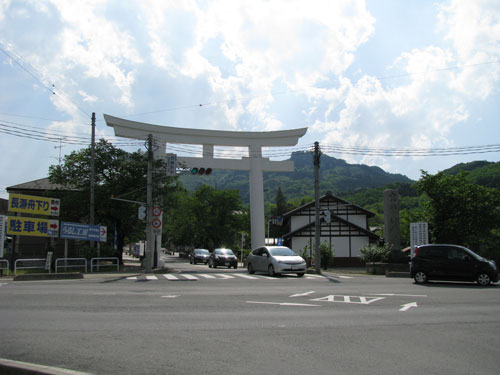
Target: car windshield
[[201, 252], [224, 251], [474, 255], [282, 252]]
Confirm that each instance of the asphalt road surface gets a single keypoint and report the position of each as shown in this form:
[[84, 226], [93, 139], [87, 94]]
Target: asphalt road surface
[[198, 320]]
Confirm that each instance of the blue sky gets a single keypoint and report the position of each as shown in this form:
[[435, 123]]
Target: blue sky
[[378, 74]]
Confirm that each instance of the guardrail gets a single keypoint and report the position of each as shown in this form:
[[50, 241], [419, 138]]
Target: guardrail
[[5, 268], [83, 263], [98, 265], [41, 260]]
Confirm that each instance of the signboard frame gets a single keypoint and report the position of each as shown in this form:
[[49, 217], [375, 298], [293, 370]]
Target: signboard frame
[[3, 233], [30, 204], [83, 232], [419, 235], [30, 226]]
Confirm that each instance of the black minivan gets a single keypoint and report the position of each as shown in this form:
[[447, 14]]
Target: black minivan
[[451, 262]]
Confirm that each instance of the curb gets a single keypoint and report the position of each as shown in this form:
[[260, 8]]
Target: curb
[[10, 367], [48, 276]]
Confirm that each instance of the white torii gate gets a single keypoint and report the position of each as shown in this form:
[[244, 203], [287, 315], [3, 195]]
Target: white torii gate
[[254, 163]]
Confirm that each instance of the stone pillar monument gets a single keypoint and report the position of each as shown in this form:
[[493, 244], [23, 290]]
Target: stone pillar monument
[[392, 235]]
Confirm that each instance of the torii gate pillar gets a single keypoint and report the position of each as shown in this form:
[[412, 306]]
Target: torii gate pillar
[[254, 163]]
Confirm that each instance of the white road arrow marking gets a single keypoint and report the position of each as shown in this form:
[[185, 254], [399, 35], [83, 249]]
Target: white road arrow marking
[[301, 294], [408, 306]]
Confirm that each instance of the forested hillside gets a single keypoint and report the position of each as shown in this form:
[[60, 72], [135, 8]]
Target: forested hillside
[[336, 176], [482, 173]]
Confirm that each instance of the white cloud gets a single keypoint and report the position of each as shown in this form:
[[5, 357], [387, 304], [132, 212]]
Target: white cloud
[[473, 27], [89, 41], [295, 42]]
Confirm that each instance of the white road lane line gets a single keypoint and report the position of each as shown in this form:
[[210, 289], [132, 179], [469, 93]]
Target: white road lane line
[[284, 304], [302, 294], [151, 277]]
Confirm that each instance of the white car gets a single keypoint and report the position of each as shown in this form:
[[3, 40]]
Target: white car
[[276, 260]]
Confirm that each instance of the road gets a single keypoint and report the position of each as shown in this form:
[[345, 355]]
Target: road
[[223, 322]]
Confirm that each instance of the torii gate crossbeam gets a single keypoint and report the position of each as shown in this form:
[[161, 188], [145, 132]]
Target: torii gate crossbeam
[[254, 163]]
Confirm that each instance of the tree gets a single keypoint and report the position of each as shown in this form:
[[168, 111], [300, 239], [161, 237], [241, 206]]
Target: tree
[[458, 211], [207, 218], [117, 173]]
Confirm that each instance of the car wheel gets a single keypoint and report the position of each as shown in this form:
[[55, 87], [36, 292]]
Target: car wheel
[[209, 265], [483, 279], [190, 261], [300, 274], [270, 271], [195, 262], [420, 277], [214, 265], [236, 266], [250, 269]]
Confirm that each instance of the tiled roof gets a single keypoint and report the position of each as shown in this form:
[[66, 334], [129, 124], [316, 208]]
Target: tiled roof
[[41, 184]]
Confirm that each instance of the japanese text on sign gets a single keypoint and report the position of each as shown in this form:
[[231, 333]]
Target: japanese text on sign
[[28, 226], [79, 231], [33, 205]]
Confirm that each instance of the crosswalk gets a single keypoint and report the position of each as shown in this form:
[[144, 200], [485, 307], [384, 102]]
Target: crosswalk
[[220, 276]]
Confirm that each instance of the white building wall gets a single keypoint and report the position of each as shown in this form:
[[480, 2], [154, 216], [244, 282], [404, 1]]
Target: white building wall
[[340, 245], [298, 222]]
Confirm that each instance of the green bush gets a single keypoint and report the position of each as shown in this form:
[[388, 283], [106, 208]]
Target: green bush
[[326, 253], [374, 253]]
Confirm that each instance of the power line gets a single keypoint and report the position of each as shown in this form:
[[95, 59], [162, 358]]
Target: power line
[[36, 133], [52, 88]]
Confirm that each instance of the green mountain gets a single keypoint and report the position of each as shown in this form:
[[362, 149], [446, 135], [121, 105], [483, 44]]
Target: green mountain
[[483, 173], [336, 175]]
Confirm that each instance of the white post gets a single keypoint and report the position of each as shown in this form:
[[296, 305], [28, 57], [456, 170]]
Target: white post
[[256, 198]]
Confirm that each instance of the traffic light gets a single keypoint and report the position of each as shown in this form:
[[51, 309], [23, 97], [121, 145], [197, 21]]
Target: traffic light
[[201, 171]]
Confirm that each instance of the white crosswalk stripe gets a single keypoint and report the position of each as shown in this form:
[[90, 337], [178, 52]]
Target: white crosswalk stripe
[[245, 276], [188, 276], [225, 276], [170, 277], [207, 276]]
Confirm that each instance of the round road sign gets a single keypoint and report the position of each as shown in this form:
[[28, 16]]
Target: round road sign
[[156, 223]]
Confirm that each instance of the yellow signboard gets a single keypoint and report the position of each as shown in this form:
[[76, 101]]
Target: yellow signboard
[[34, 205], [29, 226]]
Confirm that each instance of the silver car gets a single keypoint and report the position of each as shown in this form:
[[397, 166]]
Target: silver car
[[276, 260]]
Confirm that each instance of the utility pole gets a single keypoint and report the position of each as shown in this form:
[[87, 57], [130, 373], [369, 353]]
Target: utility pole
[[317, 228], [92, 176], [150, 240]]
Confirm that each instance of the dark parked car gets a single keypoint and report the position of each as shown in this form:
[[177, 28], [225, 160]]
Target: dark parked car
[[451, 262], [223, 257], [199, 256]]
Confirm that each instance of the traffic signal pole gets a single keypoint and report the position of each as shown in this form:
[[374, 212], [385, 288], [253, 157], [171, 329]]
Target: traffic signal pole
[[317, 231], [150, 240]]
